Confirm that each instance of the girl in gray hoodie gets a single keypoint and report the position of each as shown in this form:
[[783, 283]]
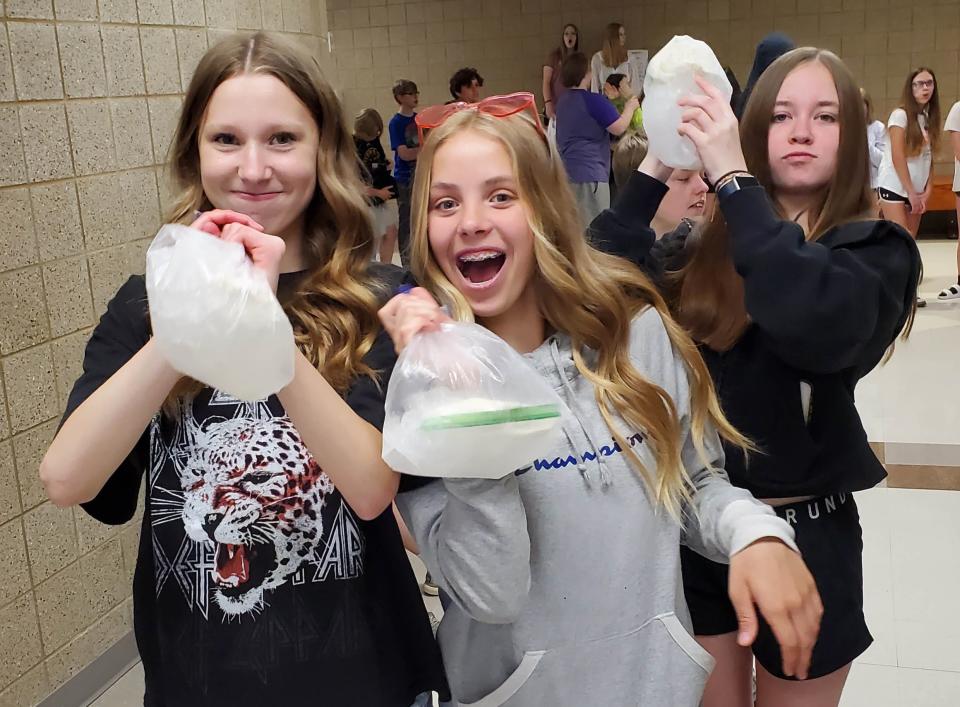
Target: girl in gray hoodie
[[564, 575]]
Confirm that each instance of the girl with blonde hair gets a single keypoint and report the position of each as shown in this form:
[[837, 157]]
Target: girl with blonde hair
[[564, 575], [612, 58]]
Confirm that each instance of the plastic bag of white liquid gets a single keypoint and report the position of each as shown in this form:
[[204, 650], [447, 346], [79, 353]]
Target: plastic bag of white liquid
[[462, 403], [670, 76], [214, 315]]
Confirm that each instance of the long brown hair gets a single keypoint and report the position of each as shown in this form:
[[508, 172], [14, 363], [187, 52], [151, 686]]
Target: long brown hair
[[558, 54], [613, 52], [708, 292], [913, 109], [333, 310], [589, 295], [867, 105]]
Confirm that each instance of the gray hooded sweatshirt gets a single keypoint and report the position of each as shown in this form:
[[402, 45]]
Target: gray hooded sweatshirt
[[565, 577]]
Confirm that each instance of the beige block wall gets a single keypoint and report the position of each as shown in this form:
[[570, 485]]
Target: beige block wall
[[378, 41], [880, 40], [89, 96]]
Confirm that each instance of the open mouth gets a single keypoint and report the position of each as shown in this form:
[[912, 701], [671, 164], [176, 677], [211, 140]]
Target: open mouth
[[481, 267], [240, 568], [698, 205]]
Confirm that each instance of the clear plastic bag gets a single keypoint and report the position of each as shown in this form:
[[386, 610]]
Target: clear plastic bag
[[214, 315], [670, 76], [463, 404]]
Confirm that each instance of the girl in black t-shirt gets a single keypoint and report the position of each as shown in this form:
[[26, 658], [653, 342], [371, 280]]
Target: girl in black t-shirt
[[270, 565]]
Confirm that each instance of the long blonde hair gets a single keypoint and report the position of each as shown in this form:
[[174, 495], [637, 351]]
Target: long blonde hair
[[587, 294], [613, 52], [333, 310]]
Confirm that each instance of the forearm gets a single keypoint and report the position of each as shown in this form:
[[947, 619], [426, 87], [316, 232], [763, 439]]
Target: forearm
[[898, 154], [104, 429], [622, 123], [345, 445], [473, 537], [545, 86]]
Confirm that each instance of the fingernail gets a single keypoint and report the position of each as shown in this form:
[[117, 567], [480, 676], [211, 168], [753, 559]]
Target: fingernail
[[744, 637]]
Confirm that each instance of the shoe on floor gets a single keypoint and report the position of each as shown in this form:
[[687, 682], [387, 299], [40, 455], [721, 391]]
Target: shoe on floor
[[947, 293], [921, 302], [428, 587]]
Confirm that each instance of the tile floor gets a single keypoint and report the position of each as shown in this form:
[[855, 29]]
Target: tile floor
[[911, 562]]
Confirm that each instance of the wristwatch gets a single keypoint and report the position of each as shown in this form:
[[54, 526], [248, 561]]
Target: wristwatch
[[735, 183]]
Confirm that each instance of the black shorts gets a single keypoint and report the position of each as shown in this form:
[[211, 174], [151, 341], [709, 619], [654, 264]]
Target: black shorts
[[829, 536], [887, 195]]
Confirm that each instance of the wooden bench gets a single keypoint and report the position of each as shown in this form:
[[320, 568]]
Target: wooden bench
[[940, 218]]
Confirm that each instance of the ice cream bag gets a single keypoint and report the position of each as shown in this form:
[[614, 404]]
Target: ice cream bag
[[214, 315], [670, 76], [463, 403]]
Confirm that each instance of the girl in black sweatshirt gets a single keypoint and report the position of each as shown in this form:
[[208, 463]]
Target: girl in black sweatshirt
[[794, 294]]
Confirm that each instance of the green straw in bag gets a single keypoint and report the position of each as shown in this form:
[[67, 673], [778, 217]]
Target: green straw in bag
[[491, 417]]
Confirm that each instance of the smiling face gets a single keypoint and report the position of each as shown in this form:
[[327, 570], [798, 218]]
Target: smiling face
[[478, 227], [261, 163], [804, 134]]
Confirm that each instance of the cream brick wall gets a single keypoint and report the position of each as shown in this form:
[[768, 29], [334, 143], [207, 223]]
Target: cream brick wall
[[378, 41]]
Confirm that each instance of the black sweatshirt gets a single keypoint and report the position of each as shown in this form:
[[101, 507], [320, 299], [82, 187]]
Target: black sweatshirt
[[255, 582], [823, 315]]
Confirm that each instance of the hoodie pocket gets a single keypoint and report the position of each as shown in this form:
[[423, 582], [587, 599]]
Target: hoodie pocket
[[657, 664], [509, 687], [687, 643]]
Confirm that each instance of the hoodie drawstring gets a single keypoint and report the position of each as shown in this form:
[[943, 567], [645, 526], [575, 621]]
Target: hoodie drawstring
[[577, 414]]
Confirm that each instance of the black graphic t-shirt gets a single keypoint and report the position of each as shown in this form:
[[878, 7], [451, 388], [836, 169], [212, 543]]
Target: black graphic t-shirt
[[376, 170], [256, 583]]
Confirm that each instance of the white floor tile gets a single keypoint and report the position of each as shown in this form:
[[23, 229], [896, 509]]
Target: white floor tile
[[898, 400], [871, 686], [126, 692], [929, 688], [929, 645], [925, 529]]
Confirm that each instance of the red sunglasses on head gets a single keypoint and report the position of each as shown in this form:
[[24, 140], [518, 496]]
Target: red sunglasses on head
[[497, 106]]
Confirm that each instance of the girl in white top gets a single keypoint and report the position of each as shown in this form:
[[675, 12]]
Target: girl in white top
[[903, 182], [952, 126], [876, 139], [612, 59]]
